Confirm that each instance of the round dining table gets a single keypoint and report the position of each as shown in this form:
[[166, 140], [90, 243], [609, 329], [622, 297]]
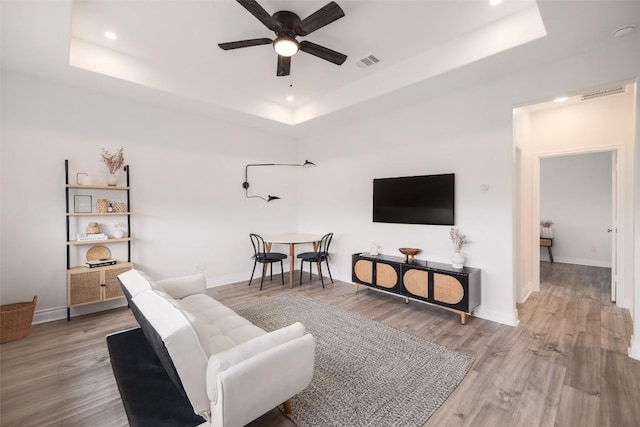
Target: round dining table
[[292, 239]]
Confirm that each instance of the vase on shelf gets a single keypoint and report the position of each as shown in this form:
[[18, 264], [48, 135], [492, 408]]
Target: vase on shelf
[[112, 179], [457, 260]]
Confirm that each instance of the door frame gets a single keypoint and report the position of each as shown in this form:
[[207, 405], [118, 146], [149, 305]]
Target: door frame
[[618, 222]]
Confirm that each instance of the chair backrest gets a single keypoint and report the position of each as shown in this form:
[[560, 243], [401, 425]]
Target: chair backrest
[[324, 244], [258, 244]]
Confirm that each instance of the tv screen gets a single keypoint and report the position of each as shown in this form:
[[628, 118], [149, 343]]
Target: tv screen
[[426, 199]]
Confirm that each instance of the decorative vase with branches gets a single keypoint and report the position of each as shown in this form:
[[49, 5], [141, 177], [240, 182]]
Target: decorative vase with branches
[[113, 162], [458, 240]]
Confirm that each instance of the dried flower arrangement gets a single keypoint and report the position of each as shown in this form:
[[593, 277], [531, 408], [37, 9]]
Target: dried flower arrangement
[[459, 240], [546, 224], [113, 161]]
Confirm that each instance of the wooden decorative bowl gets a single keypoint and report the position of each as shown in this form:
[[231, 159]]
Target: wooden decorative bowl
[[409, 253], [97, 253]]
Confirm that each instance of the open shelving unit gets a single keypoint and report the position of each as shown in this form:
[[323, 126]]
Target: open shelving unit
[[92, 285]]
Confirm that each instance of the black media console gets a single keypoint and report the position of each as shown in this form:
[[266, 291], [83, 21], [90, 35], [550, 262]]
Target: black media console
[[457, 290]]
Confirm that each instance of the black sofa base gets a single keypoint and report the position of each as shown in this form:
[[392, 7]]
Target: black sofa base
[[149, 396]]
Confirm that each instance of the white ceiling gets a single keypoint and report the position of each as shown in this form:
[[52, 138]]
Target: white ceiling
[[166, 51]]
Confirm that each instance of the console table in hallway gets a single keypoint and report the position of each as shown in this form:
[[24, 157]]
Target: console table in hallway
[[548, 243]]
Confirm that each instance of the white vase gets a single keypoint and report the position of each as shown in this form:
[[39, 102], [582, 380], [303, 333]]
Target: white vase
[[112, 179], [546, 233], [118, 234], [457, 260]]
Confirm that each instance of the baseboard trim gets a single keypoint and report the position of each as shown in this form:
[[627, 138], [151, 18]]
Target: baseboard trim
[[525, 293], [59, 313], [509, 319], [580, 261], [240, 277], [49, 315]]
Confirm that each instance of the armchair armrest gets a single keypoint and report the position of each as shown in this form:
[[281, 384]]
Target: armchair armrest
[[256, 385], [180, 287]]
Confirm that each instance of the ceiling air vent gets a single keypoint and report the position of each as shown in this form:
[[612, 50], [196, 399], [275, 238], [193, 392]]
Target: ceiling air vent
[[603, 92], [367, 62]]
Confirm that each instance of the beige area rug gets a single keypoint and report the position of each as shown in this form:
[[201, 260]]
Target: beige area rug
[[366, 373]]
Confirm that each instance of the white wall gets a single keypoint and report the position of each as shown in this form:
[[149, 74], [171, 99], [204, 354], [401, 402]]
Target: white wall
[[187, 171], [575, 193], [429, 138], [468, 132], [186, 175]]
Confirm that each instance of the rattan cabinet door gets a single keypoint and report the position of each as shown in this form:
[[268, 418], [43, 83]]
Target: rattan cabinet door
[[84, 288], [362, 271], [451, 290], [112, 288]]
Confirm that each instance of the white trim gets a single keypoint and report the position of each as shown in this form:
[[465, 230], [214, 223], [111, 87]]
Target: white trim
[[634, 348], [526, 292], [620, 221], [581, 261], [49, 315], [506, 318], [243, 277], [229, 279], [59, 313]]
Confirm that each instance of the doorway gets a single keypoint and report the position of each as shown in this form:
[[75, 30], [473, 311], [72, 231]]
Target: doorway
[[578, 194], [546, 130]]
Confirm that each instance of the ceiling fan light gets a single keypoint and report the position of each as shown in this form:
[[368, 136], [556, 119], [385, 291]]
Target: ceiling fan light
[[286, 46]]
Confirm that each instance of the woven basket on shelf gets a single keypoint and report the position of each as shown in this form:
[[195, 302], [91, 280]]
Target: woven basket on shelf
[[102, 205], [15, 320], [119, 207]]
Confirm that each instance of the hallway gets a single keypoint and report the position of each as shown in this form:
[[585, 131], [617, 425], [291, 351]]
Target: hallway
[[588, 335]]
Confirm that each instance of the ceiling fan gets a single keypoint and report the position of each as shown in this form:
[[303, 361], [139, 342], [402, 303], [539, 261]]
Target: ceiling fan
[[287, 26]]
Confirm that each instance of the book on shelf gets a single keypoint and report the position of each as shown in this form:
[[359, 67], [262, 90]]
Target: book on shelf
[[97, 236], [100, 263]]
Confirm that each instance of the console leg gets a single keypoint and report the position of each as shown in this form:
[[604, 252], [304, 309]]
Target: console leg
[[463, 318], [68, 314], [357, 287], [287, 407], [406, 300]]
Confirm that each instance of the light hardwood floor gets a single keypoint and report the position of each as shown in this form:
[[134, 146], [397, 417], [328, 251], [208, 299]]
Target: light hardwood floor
[[566, 364]]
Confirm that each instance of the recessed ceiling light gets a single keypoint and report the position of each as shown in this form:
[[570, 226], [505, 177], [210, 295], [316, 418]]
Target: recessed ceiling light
[[495, 2], [110, 35], [561, 99], [290, 98]]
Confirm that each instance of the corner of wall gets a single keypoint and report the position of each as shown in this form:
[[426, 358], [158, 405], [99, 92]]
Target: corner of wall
[[525, 292], [634, 348], [506, 318]]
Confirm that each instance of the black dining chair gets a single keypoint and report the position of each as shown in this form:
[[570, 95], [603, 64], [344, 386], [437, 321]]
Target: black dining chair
[[260, 255], [317, 258]]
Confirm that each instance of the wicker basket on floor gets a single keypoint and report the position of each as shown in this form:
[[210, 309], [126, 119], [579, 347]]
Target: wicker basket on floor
[[15, 320]]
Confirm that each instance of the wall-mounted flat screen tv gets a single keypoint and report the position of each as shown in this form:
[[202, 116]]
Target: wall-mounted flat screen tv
[[426, 199]]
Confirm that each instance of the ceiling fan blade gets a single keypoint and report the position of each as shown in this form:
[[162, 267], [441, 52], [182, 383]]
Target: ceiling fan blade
[[323, 16], [323, 52], [256, 10], [284, 65], [244, 43]]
